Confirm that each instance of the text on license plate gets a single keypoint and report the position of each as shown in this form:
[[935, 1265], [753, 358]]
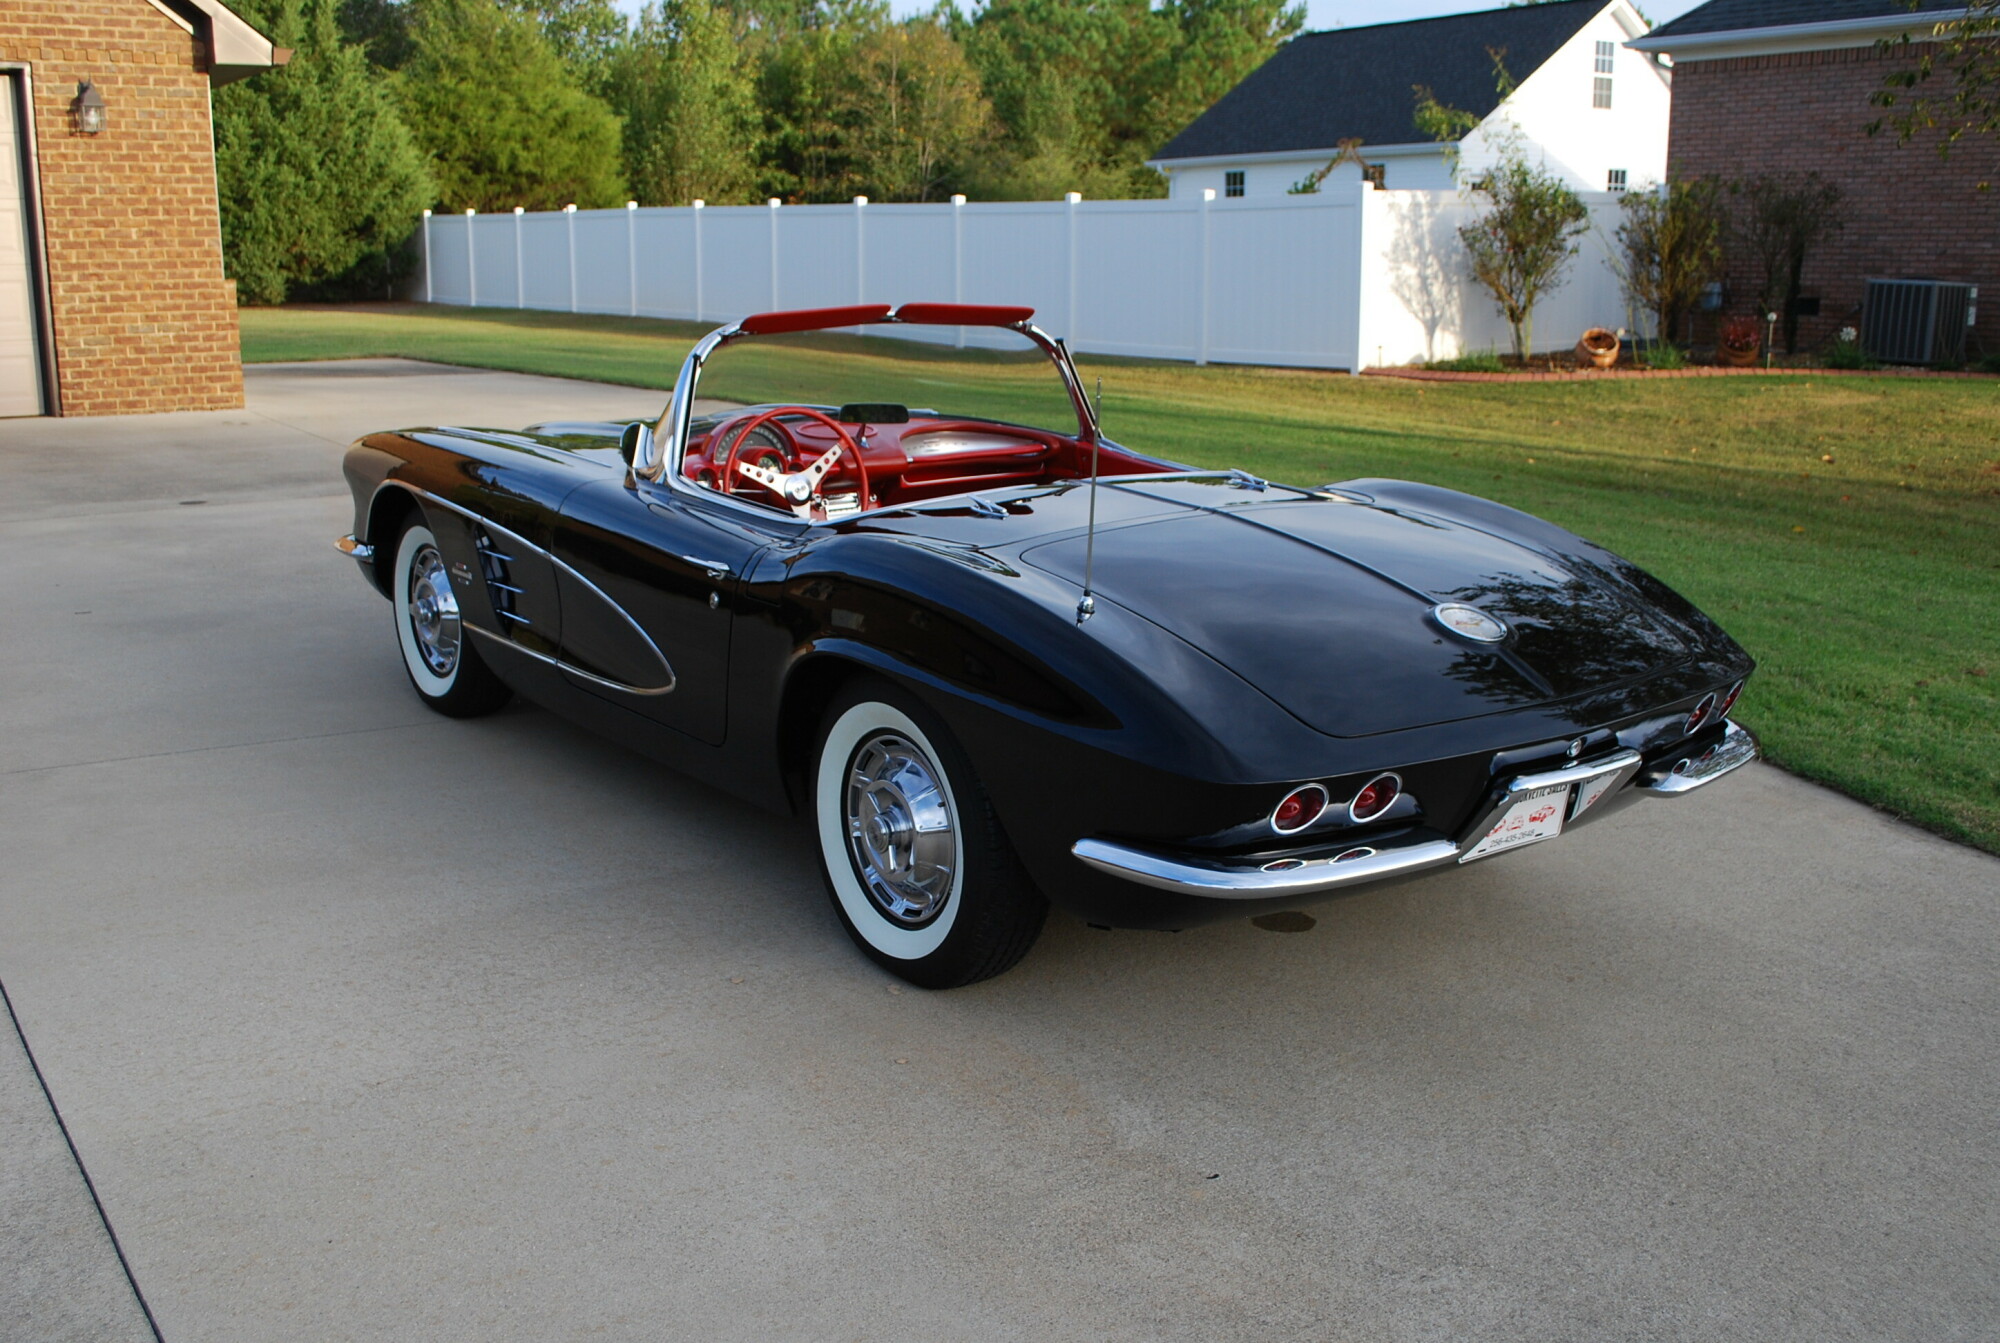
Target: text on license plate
[[1531, 818]]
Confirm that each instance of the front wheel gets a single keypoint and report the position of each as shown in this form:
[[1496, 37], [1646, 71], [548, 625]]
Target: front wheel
[[438, 653], [918, 868]]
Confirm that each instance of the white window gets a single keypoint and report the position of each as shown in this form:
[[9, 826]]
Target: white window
[[1616, 182], [1232, 182], [1604, 53]]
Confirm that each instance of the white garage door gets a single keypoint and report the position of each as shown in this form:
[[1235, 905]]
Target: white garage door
[[20, 352]]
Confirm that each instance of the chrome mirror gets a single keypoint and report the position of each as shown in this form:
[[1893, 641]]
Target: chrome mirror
[[635, 445]]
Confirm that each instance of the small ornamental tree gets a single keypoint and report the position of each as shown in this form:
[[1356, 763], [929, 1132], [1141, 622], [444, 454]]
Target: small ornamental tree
[[1672, 240], [1525, 240], [1779, 221]]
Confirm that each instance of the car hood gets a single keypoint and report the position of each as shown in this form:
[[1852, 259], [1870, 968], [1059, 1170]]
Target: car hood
[[1325, 605]]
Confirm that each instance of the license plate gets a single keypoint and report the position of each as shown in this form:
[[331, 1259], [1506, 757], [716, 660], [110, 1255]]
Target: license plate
[[1532, 818]]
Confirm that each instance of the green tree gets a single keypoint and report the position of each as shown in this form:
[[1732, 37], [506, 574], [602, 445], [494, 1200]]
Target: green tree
[[1086, 90], [1965, 49], [1525, 240], [914, 113], [501, 115], [319, 181], [1779, 220], [805, 53], [1672, 241], [687, 96], [585, 33]]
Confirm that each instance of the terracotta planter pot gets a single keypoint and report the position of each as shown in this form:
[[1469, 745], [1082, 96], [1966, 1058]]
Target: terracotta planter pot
[[1738, 358], [1597, 349]]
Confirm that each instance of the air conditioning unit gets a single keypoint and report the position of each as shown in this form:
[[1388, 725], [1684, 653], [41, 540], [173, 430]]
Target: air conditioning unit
[[1917, 321]]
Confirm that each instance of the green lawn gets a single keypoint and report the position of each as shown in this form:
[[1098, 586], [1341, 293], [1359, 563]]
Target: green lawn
[[1846, 529]]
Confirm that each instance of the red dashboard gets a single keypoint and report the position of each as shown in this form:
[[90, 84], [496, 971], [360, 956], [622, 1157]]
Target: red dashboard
[[923, 459]]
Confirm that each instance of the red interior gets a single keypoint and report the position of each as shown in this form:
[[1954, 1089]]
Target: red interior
[[924, 459]]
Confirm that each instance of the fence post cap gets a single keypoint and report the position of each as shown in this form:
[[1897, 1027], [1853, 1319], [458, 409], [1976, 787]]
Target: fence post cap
[[958, 200], [570, 209], [469, 210], [631, 205], [1072, 196], [860, 200], [427, 214], [774, 202], [700, 204], [1208, 193], [519, 210]]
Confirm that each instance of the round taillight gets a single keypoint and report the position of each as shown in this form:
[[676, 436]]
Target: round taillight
[[1702, 712], [1300, 809], [1729, 700], [1375, 798], [1353, 854]]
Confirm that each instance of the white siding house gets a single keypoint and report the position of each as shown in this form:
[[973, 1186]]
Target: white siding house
[[1585, 106]]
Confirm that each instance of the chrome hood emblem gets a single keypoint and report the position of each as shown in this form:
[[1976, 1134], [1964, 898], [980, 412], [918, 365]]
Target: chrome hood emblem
[[1469, 622]]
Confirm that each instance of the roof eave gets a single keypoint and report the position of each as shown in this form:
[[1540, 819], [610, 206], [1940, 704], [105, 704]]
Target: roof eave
[[1411, 150], [1794, 37], [235, 49]]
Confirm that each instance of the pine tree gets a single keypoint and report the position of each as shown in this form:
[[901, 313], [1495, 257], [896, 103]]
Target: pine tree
[[319, 180]]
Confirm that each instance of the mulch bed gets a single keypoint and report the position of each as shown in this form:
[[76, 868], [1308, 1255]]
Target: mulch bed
[[1620, 374]]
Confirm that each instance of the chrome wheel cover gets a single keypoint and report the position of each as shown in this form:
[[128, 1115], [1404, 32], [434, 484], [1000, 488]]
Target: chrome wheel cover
[[900, 829], [434, 612]]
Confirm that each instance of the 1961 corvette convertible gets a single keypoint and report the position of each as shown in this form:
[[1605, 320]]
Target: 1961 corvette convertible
[[998, 665]]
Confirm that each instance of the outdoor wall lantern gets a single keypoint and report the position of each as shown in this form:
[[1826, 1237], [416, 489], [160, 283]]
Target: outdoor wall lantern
[[89, 108]]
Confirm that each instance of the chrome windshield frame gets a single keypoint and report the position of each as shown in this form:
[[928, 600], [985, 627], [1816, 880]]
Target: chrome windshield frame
[[660, 455]]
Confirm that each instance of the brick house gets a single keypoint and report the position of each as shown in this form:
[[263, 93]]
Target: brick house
[[112, 296], [1782, 87]]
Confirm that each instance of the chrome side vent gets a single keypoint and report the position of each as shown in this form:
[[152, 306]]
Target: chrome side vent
[[494, 568]]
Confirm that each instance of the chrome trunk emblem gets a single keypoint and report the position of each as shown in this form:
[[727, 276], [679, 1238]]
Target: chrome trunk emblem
[[1469, 622]]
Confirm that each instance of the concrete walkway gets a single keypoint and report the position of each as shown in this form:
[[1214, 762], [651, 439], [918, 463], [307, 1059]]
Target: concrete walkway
[[371, 1025]]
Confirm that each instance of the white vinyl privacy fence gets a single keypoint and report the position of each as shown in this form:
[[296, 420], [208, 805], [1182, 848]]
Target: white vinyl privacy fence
[[1345, 279]]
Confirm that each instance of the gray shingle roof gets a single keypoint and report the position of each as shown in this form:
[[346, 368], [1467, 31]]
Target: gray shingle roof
[[1725, 16], [1322, 88]]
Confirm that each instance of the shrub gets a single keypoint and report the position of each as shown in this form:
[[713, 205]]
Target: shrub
[[1846, 351], [1666, 355], [1472, 361]]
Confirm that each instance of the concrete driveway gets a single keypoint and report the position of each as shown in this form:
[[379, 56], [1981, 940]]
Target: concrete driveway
[[371, 1025]]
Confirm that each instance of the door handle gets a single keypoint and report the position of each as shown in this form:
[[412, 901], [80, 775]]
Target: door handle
[[715, 569]]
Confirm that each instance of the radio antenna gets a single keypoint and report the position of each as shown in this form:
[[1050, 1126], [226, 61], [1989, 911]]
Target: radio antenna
[[1087, 608]]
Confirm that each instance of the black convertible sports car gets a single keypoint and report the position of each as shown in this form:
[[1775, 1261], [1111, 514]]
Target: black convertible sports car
[[998, 665]]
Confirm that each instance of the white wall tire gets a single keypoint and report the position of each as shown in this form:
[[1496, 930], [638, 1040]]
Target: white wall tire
[[437, 647], [915, 862]]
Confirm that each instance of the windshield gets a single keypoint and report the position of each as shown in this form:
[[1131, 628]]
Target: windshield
[[1015, 382]]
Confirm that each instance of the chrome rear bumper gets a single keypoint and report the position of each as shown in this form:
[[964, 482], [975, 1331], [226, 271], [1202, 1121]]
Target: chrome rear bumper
[[1596, 783]]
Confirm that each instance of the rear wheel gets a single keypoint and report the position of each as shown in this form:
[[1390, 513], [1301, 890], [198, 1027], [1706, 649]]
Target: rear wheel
[[919, 870], [438, 651]]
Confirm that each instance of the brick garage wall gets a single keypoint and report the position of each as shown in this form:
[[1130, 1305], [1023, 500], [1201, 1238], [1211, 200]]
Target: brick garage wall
[[143, 319], [1908, 212]]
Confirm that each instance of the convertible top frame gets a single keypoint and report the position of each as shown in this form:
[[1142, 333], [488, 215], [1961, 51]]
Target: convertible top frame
[[659, 450]]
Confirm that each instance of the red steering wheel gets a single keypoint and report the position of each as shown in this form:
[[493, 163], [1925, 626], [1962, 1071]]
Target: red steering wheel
[[787, 485]]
